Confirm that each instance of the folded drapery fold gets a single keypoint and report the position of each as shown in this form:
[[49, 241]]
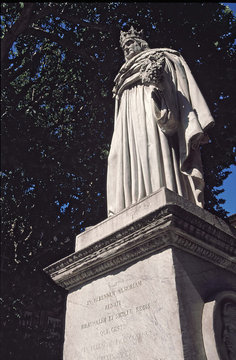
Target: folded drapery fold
[[160, 119]]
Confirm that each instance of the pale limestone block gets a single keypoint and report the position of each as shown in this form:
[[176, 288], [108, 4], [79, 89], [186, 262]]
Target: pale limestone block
[[208, 331], [139, 280], [133, 314]]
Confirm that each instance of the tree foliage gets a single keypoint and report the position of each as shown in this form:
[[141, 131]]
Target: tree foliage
[[59, 61]]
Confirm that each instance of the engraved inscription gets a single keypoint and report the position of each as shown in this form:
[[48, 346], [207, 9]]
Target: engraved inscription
[[112, 305], [113, 326], [143, 307], [93, 323], [123, 315], [111, 294]]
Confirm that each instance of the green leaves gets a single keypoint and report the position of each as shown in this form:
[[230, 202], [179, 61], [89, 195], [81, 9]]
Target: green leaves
[[58, 112]]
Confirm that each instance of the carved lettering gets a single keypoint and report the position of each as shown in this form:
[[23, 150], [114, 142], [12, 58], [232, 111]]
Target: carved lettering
[[101, 297], [129, 287], [124, 354], [117, 328], [143, 307], [109, 295], [93, 323], [123, 314], [112, 305], [112, 329]]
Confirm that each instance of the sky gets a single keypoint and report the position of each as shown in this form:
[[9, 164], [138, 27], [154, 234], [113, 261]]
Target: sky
[[229, 185], [232, 6]]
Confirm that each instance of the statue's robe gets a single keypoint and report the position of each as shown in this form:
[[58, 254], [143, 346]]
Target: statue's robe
[[160, 114]]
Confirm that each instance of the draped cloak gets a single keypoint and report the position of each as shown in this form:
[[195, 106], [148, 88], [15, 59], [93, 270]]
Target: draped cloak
[[159, 114]]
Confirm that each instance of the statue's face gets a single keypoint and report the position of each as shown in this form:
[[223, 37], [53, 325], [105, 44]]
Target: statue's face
[[131, 48]]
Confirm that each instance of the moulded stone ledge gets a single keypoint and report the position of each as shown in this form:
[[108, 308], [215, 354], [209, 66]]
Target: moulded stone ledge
[[162, 220]]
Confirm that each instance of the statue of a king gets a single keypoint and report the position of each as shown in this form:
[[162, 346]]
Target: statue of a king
[[161, 119]]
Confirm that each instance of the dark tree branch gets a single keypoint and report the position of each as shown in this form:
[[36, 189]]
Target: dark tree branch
[[64, 43], [41, 14], [24, 91], [6, 80], [75, 20], [18, 28], [27, 18]]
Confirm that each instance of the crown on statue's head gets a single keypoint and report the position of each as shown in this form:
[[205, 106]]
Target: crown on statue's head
[[130, 34]]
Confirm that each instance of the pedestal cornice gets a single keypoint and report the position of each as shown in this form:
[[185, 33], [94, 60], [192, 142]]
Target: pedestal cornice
[[174, 223]]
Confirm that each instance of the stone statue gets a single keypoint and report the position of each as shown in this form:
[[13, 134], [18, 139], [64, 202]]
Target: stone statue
[[225, 325], [160, 121], [229, 332]]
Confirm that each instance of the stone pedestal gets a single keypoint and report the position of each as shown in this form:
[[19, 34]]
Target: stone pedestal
[[144, 284]]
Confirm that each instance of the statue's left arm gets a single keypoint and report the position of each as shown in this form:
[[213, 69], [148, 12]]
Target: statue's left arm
[[159, 73]]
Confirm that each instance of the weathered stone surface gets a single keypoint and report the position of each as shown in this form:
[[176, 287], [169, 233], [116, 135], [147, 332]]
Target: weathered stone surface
[[151, 309], [219, 326], [197, 282], [159, 221], [127, 315], [208, 331], [225, 324], [161, 119], [145, 207], [139, 280]]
